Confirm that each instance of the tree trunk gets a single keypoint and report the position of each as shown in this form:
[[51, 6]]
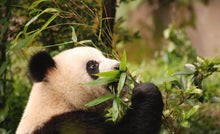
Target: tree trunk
[[3, 42]]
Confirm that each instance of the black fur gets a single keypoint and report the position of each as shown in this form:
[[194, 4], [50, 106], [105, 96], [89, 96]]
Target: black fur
[[145, 114], [39, 64], [79, 122], [144, 117], [92, 68]]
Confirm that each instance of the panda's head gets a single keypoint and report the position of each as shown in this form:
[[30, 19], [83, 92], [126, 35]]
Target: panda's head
[[60, 76], [57, 89]]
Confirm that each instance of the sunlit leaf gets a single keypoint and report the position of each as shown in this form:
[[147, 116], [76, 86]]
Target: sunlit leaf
[[123, 62], [47, 23], [34, 4], [192, 111], [50, 10], [99, 100], [59, 44], [110, 74], [200, 59], [166, 33], [16, 39], [74, 37], [182, 73], [185, 124], [217, 65], [116, 104], [121, 82], [84, 41], [43, 27], [101, 81], [34, 11], [29, 22], [37, 16], [196, 91], [190, 67]]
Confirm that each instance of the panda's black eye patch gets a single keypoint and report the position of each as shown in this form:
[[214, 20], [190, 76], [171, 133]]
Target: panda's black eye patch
[[92, 67]]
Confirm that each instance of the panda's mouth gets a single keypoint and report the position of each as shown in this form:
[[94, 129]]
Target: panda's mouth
[[113, 87]]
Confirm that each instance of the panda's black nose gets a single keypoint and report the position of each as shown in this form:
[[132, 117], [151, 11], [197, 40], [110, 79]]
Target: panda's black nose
[[117, 66]]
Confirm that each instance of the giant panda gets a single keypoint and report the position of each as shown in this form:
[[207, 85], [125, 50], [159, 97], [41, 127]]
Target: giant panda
[[57, 101]]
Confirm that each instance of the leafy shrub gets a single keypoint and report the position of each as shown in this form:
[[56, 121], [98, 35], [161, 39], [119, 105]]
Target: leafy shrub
[[188, 82]]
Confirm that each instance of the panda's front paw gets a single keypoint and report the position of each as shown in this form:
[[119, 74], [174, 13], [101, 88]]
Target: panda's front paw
[[146, 92], [145, 89]]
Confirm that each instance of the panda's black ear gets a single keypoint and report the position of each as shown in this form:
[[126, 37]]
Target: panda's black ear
[[39, 64]]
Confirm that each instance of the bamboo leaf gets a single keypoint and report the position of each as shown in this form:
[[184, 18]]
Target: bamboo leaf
[[84, 41], [99, 100], [34, 11], [47, 23], [28, 39], [110, 74], [101, 81], [49, 10], [37, 16], [23, 43], [28, 23], [43, 27], [121, 82], [34, 4], [123, 62], [16, 38], [74, 37], [115, 113]]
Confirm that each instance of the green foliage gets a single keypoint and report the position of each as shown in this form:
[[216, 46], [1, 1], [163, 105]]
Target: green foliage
[[181, 80], [189, 83], [179, 45], [99, 100], [119, 106], [182, 95], [69, 18], [31, 35]]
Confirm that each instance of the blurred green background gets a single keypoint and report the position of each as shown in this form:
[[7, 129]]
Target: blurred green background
[[159, 36]]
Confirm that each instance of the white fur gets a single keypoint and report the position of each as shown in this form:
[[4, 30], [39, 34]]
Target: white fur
[[63, 93]]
